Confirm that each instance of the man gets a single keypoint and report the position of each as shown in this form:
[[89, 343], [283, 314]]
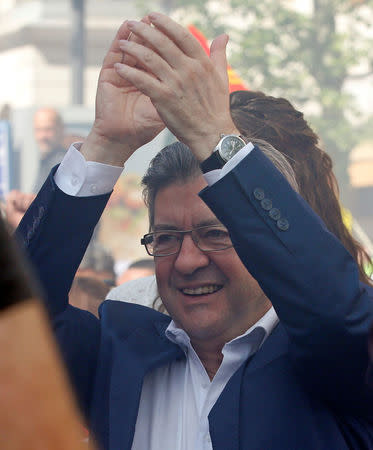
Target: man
[[49, 135], [266, 344], [94, 278], [98, 264], [137, 269], [88, 293]]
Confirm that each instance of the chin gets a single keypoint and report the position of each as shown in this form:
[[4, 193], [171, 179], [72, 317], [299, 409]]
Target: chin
[[201, 329]]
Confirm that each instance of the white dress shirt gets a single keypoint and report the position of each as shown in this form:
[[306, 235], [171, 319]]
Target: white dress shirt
[[176, 398], [81, 178]]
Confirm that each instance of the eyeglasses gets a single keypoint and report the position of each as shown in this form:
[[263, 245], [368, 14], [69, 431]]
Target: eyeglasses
[[208, 238]]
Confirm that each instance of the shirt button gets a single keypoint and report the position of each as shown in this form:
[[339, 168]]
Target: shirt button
[[74, 180], [205, 385], [93, 188]]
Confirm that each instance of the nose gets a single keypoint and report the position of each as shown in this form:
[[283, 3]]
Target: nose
[[190, 258]]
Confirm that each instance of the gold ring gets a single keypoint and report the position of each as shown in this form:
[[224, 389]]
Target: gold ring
[[129, 37]]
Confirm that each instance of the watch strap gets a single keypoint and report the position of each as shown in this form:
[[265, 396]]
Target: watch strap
[[213, 162]]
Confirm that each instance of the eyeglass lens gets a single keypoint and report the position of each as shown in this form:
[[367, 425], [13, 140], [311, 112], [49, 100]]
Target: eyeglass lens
[[211, 238]]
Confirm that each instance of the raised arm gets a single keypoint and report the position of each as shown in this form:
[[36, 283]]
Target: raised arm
[[125, 118], [57, 227], [310, 278]]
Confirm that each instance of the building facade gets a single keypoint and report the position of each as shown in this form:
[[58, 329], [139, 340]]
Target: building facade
[[36, 44]]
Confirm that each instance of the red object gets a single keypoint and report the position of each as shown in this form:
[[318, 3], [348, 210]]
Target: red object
[[235, 81]]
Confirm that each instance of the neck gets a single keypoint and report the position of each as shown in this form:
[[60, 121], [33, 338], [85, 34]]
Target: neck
[[211, 356]]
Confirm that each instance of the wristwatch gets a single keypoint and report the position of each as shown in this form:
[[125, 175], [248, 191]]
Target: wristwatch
[[227, 147]]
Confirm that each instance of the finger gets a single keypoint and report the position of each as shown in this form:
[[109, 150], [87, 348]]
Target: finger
[[114, 53], [218, 55], [158, 42], [143, 81], [147, 59], [127, 59], [179, 35]]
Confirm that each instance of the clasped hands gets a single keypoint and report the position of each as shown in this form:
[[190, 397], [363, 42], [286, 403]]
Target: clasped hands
[[156, 74]]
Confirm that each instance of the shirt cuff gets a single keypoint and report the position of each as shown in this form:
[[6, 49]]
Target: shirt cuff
[[214, 175], [80, 178]]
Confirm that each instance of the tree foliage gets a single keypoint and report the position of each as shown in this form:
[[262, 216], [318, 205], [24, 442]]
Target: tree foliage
[[307, 56]]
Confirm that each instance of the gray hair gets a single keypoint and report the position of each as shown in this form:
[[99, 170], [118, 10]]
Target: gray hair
[[176, 163]]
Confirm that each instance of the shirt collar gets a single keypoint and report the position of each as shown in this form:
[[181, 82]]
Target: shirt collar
[[257, 333]]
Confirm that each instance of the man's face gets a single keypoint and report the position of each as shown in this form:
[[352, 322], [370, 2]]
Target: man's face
[[236, 302], [47, 130]]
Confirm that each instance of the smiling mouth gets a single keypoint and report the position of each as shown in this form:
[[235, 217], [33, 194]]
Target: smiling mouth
[[203, 290]]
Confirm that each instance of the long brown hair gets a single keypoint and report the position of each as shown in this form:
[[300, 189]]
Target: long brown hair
[[276, 121]]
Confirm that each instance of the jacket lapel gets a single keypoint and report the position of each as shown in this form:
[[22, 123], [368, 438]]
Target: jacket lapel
[[145, 349], [224, 417], [275, 345]]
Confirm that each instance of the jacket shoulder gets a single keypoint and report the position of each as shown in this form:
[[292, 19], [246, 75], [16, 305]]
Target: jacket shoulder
[[124, 318]]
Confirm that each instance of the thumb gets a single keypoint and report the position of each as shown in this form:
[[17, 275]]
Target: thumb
[[218, 54]]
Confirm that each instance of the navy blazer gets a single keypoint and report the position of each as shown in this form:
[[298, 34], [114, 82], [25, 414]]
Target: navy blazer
[[305, 387]]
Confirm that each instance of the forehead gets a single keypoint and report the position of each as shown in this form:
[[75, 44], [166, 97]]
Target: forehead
[[179, 205], [44, 119]]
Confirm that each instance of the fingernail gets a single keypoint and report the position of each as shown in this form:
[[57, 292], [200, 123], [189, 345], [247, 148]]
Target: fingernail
[[123, 43], [131, 24], [119, 66], [153, 16]]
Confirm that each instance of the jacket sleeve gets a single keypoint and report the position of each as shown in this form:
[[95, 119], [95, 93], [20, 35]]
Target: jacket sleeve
[[54, 233], [311, 280]]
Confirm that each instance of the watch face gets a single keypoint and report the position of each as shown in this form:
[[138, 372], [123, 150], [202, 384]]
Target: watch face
[[229, 146]]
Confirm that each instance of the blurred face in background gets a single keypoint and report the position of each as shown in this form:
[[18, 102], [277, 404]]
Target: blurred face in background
[[133, 273], [48, 130]]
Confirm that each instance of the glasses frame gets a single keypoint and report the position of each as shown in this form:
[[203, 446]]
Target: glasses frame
[[182, 233]]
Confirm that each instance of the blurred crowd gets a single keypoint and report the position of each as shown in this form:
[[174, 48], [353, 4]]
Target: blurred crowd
[[98, 272]]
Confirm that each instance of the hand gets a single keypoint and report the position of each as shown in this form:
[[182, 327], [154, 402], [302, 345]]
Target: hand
[[125, 118], [189, 89], [16, 205]]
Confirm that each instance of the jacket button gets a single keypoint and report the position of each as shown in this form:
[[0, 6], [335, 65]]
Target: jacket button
[[259, 193], [283, 224], [266, 204], [274, 214], [29, 234], [35, 224]]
